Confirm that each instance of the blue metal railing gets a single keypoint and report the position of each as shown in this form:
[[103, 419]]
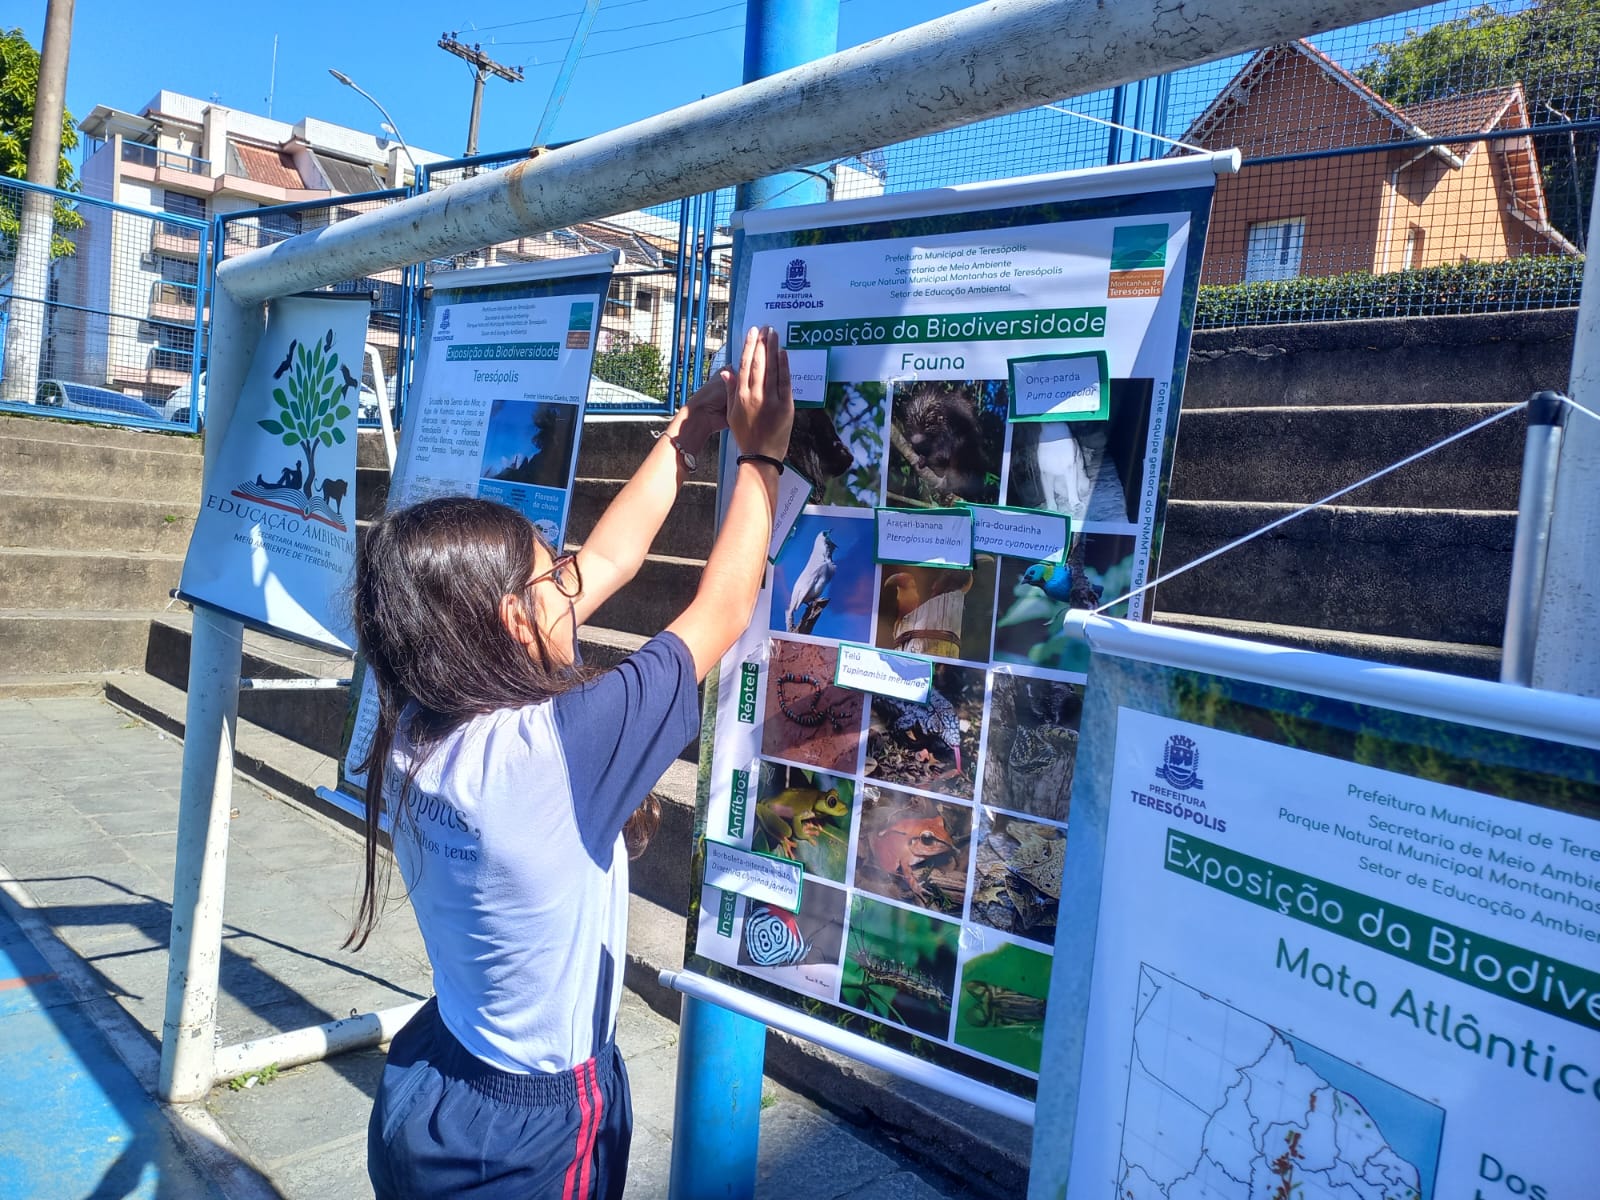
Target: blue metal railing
[[85, 380]]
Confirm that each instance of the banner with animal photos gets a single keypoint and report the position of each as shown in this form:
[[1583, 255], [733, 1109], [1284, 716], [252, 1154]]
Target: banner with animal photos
[[932, 833], [495, 409], [276, 536]]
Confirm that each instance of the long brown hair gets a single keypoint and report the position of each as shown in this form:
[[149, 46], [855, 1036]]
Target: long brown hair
[[430, 579]]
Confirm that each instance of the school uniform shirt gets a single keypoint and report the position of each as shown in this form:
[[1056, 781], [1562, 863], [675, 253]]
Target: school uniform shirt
[[510, 845]]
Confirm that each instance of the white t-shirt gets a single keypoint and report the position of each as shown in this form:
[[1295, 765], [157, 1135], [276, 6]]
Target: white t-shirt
[[510, 846]]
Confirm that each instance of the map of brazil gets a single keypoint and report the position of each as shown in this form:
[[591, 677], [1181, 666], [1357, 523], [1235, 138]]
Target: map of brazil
[[1222, 1106]]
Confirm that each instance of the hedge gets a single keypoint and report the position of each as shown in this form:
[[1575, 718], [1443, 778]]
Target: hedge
[[1552, 281]]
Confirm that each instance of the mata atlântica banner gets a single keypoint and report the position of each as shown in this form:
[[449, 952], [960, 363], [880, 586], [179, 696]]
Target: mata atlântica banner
[[496, 406], [275, 539], [1336, 932], [988, 380]]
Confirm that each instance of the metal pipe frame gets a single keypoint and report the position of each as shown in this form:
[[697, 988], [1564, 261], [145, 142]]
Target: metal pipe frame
[[985, 61]]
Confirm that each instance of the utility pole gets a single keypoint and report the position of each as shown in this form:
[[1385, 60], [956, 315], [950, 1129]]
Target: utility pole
[[24, 343], [483, 67]]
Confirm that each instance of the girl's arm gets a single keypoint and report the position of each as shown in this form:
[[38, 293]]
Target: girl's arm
[[760, 414], [616, 547]]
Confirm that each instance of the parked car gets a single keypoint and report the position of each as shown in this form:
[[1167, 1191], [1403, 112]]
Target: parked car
[[177, 405], [68, 396]]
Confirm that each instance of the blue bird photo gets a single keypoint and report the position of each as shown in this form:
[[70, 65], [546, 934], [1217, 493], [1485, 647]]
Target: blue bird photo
[[822, 581], [810, 592], [1063, 583]]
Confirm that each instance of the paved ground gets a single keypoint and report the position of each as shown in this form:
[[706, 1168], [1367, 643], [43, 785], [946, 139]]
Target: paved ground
[[86, 874]]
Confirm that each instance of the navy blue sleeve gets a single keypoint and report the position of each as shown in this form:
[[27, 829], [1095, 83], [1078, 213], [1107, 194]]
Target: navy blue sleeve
[[621, 730]]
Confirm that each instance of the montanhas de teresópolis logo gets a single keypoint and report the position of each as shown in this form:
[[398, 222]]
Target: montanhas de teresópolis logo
[[310, 416]]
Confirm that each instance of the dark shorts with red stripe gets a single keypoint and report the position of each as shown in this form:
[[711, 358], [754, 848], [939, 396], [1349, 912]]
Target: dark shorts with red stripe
[[447, 1124]]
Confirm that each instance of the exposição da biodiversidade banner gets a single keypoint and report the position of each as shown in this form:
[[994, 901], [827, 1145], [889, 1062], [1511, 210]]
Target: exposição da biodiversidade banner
[[1337, 944], [495, 410], [987, 382]]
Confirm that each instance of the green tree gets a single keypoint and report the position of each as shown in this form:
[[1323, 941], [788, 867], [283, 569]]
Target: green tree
[[633, 364], [310, 413], [19, 83], [1552, 48]]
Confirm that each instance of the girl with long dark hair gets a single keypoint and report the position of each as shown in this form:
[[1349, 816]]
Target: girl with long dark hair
[[514, 777]]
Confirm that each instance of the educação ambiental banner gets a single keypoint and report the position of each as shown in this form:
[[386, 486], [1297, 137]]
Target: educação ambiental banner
[[987, 382], [276, 535]]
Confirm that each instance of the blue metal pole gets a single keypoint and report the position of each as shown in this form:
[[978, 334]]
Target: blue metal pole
[[716, 1116], [1119, 96], [779, 34]]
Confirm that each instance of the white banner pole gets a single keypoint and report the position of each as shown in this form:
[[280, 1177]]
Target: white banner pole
[[188, 1030], [1566, 654]]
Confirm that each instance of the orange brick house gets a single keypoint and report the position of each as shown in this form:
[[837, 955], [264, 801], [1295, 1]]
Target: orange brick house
[[1380, 210]]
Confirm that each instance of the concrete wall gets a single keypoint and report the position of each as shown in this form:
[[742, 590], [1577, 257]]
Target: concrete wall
[[1478, 359]]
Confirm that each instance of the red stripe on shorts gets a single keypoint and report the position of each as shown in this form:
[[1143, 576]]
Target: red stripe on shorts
[[594, 1131], [580, 1155]]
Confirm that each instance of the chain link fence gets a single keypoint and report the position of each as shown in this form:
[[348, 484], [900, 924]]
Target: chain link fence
[[102, 308], [1438, 161]]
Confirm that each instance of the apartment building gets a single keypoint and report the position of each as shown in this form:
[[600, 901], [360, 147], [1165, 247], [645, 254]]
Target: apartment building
[[124, 314]]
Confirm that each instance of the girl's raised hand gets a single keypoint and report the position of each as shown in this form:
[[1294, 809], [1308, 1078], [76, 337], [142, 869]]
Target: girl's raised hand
[[761, 410]]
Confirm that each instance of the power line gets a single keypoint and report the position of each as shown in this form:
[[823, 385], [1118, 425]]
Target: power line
[[648, 45], [577, 12], [630, 28]]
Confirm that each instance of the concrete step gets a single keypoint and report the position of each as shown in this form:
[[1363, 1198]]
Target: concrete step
[[1476, 662], [1436, 576], [989, 1153], [57, 521], [86, 433], [57, 641], [312, 719], [94, 468], [1480, 359], [1302, 454], [41, 687], [662, 589], [86, 579], [613, 447], [687, 532], [370, 452]]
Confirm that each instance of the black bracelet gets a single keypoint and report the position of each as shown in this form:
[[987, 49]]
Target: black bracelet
[[761, 458]]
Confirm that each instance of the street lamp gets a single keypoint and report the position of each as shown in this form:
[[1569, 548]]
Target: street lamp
[[390, 126]]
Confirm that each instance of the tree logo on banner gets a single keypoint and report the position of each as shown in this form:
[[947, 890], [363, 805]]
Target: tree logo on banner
[[311, 410], [1181, 765]]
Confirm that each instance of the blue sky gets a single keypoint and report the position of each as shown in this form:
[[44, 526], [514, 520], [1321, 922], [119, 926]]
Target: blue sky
[[121, 57]]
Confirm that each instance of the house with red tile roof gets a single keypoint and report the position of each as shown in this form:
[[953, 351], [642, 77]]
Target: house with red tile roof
[[1391, 206]]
